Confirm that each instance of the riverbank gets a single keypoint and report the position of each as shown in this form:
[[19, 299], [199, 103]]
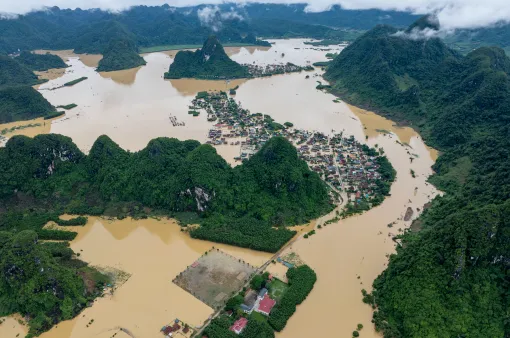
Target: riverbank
[[348, 255]]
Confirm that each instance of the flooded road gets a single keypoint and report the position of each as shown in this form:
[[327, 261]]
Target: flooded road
[[135, 106]]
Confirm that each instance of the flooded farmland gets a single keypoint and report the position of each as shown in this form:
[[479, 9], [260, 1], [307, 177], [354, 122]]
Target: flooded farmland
[[135, 106]]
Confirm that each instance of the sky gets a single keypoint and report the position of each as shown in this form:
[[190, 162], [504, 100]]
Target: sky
[[452, 14]]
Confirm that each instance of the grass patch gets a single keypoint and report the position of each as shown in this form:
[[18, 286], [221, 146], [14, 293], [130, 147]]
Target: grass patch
[[258, 317], [68, 106], [405, 82], [185, 218], [54, 114], [72, 83], [277, 289], [12, 129], [321, 63]]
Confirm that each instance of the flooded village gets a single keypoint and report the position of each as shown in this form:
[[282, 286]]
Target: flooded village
[[350, 168], [149, 304]]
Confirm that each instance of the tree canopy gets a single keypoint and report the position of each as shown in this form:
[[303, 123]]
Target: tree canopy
[[40, 62]]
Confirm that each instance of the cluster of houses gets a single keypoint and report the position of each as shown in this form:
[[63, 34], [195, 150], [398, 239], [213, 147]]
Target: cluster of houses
[[259, 302], [177, 327], [275, 69], [343, 163]]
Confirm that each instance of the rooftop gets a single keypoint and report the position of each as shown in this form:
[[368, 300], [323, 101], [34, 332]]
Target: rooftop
[[266, 305], [239, 325]]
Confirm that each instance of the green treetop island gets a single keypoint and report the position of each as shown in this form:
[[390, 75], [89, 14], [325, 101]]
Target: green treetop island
[[210, 63]]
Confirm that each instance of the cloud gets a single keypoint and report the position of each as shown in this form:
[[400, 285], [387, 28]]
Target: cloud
[[423, 34], [452, 14], [213, 17]]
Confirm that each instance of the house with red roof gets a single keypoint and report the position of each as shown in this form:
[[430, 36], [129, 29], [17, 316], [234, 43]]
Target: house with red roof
[[239, 325], [265, 305]]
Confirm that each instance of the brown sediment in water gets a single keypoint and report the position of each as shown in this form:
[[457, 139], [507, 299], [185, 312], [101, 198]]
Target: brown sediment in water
[[50, 74], [126, 76], [40, 126], [193, 86], [154, 253], [358, 247], [90, 60], [375, 124], [11, 327]]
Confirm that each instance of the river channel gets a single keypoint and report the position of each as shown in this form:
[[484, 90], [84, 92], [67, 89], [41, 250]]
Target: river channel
[[135, 106]]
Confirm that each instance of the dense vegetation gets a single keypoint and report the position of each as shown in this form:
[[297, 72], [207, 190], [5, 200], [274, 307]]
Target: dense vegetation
[[450, 279], [22, 103], [40, 62], [219, 328], [89, 31], [301, 282], [18, 100], [54, 114], [273, 188], [210, 62], [43, 281], [73, 82], [120, 54], [13, 73]]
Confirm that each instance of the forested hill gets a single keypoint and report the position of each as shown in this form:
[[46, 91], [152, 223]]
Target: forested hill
[[14, 73], [385, 69], [40, 62], [89, 31], [273, 188], [18, 100], [18, 103], [449, 279], [120, 54], [210, 62]]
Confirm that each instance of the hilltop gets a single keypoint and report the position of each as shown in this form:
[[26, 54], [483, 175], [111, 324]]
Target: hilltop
[[386, 69], [209, 62], [449, 278], [120, 54], [40, 62]]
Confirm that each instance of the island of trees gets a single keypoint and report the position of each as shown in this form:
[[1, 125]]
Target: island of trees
[[209, 62], [40, 62], [120, 54], [449, 277]]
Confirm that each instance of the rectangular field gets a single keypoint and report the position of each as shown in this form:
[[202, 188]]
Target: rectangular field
[[215, 277]]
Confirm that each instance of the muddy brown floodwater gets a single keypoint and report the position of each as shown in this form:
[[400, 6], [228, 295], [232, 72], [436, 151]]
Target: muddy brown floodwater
[[154, 253], [135, 106]]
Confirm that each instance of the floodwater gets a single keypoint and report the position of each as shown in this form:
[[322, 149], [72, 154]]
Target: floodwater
[[153, 252], [135, 106]]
